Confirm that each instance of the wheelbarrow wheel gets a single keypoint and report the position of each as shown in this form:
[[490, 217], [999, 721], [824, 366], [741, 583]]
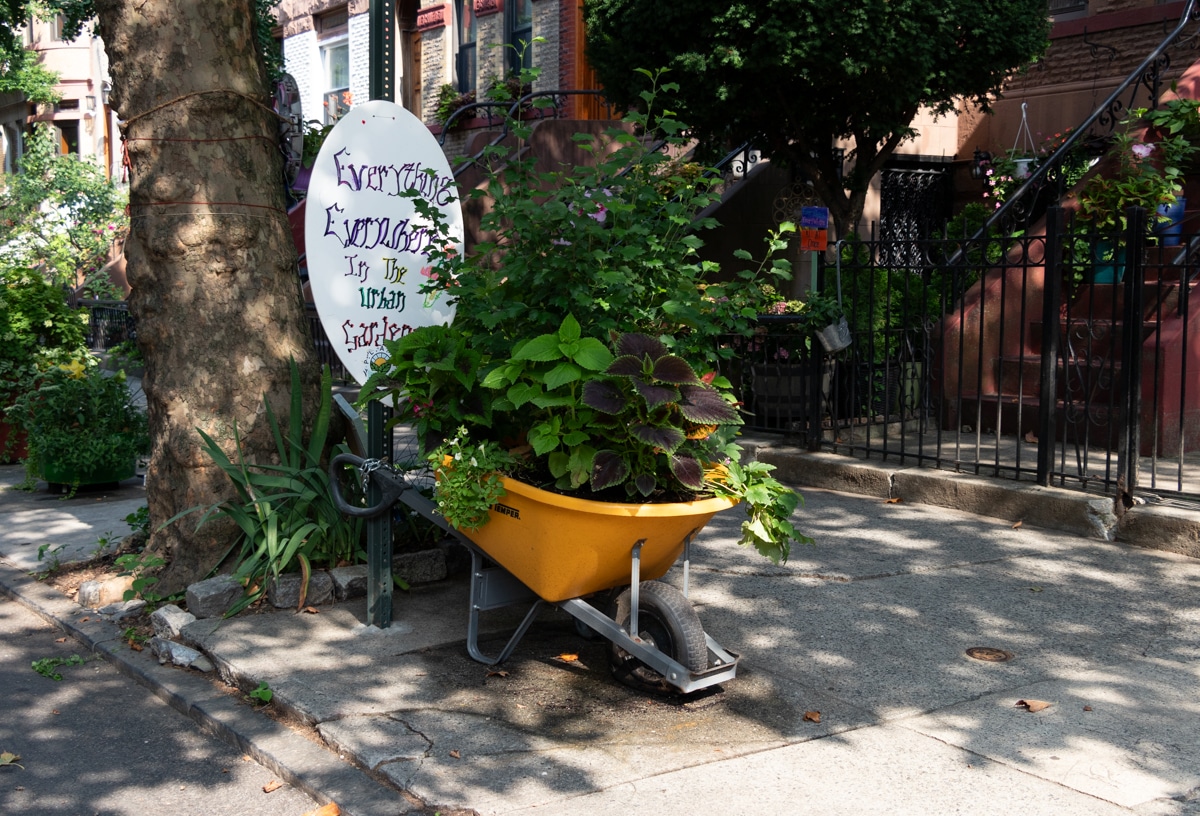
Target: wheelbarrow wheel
[[668, 623]]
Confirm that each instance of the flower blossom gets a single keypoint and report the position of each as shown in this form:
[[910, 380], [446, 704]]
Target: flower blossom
[[1142, 150]]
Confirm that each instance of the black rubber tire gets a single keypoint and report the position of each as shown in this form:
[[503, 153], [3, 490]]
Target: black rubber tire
[[668, 623]]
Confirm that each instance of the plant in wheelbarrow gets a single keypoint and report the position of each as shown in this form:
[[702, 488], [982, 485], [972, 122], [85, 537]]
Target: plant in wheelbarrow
[[571, 411]]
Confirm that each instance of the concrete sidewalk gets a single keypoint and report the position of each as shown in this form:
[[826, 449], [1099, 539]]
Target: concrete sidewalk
[[855, 693]]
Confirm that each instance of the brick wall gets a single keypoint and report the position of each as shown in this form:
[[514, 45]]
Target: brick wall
[[545, 55], [302, 59], [436, 61], [360, 57]]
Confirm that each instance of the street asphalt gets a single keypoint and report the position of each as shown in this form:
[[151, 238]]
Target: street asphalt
[[855, 694]]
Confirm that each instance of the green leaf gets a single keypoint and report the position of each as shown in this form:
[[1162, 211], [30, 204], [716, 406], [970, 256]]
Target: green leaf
[[540, 349], [562, 374]]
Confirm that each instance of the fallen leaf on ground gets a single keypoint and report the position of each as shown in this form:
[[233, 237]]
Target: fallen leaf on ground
[[82, 620], [1030, 437], [135, 646], [896, 500], [812, 716], [273, 785], [312, 610], [567, 657], [1017, 525], [1087, 708], [497, 673], [456, 754], [60, 640], [54, 711], [1032, 705], [326, 810], [9, 758], [1034, 588]]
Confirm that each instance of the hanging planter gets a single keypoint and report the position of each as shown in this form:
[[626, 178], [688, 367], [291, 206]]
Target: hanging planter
[[835, 336], [1170, 231]]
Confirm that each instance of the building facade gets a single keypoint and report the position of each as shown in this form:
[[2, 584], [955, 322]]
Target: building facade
[[83, 122]]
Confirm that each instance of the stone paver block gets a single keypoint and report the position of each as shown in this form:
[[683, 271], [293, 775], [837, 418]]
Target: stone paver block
[[349, 582], [168, 651], [95, 594], [117, 612], [212, 597], [284, 591], [423, 567], [168, 621]]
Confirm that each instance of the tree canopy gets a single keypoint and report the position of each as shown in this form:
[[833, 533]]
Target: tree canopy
[[798, 76]]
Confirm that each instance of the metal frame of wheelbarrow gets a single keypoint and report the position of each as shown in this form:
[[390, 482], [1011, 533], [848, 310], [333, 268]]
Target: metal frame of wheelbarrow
[[494, 587]]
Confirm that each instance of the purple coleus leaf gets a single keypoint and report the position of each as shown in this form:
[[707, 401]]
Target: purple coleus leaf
[[645, 483], [603, 396], [608, 470], [672, 369], [705, 405], [661, 437], [627, 366], [640, 345], [656, 395], [689, 472]]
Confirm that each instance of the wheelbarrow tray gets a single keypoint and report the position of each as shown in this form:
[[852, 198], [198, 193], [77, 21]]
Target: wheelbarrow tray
[[565, 547]]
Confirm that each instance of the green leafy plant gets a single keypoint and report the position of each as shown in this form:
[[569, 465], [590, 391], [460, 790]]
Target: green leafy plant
[[1142, 168], [584, 338], [37, 331], [54, 564], [139, 520], [140, 566], [48, 666], [284, 512], [133, 637], [262, 693], [60, 217], [80, 421], [468, 479], [450, 99]]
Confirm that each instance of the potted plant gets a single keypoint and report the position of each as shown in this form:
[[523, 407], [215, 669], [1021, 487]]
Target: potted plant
[[1138, 171], [581, 358], [82, 426], [37, 330]]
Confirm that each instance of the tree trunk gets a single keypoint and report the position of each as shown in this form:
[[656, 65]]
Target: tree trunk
[[215, 292]]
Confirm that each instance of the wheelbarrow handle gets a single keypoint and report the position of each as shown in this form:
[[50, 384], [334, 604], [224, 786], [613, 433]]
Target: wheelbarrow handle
[[390, 486]]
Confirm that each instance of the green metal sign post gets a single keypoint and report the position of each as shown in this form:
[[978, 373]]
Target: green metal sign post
[[381, 62]]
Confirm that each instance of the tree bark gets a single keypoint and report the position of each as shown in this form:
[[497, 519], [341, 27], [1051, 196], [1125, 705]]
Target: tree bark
[[216, 294]]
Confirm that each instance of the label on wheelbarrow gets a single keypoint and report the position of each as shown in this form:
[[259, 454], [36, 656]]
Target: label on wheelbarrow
[[366, 241]]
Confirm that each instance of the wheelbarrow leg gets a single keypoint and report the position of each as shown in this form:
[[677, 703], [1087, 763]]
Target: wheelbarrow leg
[[494, 588]]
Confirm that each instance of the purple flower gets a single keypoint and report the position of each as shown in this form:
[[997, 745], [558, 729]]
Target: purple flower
[[1142, 150]]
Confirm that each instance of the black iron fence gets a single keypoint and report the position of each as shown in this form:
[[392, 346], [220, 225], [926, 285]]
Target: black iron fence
[[1059, 358], [109, 324]]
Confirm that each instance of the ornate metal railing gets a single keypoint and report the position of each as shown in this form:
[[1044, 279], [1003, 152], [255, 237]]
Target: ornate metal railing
[[1019, 207]]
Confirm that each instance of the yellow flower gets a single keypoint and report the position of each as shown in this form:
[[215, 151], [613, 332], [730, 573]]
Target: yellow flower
[[75, 368]]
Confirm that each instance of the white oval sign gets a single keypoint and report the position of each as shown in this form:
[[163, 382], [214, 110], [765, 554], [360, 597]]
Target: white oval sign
[[365, 240]]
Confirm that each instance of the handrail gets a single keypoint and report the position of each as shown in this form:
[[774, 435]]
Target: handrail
[[514, 108], [1057, 158]]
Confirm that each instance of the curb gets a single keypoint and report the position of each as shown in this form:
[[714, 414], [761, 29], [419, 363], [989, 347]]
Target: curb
[[1172, 529], [295, 759]]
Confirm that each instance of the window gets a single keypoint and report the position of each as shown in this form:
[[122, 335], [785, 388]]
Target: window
[[68, 136], [333, 38], [56, 28], [519, 22], [1060, 7], [464, 14]]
